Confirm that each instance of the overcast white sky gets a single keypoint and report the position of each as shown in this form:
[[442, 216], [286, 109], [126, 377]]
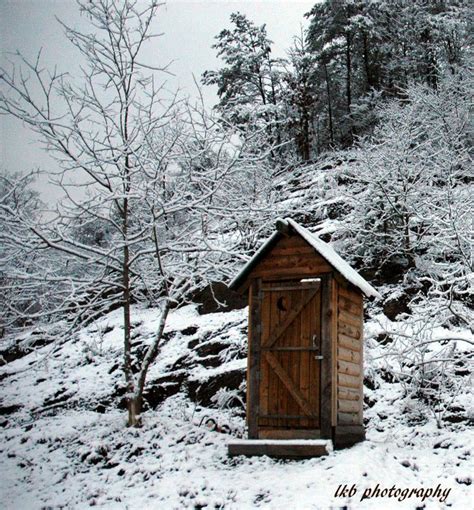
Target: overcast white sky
[[189, 27]]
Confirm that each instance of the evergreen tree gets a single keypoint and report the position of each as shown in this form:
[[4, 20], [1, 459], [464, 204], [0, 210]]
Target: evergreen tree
[[365, 47], [248, 84], [300, 97]]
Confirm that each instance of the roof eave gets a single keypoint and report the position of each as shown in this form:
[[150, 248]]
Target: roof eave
[[237, 284]]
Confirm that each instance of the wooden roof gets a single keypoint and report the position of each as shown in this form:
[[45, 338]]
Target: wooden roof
[[288, 225]]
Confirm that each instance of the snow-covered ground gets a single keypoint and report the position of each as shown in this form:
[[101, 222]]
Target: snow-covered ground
[[60, 449]]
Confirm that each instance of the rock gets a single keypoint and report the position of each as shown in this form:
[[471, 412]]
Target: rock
[[60, 397], [189, 331], [113, 368], [21, 349], [442, 444], [211, 361], [369, 401], [193, 343], [211, 348], [160, 389], [383, 339], [202, 392], [101, 408], [370, 383], [392, 271], [183, 363], [462, 369], [9, 409], [215, 293], [393, 307], [456, 417], [386, 375]]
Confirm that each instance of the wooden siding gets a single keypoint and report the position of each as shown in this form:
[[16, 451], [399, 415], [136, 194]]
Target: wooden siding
[[292, 393], [253, 360], [349, 367], [291, 257]]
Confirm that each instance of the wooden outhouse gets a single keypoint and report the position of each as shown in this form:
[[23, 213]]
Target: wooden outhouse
[[305, 359]]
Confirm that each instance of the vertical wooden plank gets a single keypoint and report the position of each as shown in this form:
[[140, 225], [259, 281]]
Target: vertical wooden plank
[[334, 342], [283, 358], [326, 351], [297, 341], [272, 378], [265, 312], [305, 359], [255, 331], [249, 350], [317, 363], [313, 319]]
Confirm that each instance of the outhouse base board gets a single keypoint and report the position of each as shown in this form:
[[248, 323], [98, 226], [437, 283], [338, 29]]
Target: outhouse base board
[[348, 435], [289, 448]]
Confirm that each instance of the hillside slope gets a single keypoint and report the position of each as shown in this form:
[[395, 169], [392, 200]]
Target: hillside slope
[[65, 443]]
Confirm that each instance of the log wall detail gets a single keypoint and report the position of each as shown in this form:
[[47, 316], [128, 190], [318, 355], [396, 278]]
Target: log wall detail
[[349, 369]]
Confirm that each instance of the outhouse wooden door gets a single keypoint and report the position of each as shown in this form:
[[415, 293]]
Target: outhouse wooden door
[[290, 359]]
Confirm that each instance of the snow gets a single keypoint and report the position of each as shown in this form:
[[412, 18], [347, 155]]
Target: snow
[[74, 457], [336, 261], [324, 249], [175, 463], [286, 442]]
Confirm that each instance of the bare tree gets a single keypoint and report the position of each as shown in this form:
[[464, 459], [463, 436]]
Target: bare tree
[[143, 177]]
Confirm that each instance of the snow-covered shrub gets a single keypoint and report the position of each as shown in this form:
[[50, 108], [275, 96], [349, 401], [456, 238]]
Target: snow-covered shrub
[[425, 359], [224, 398], [410, 187]]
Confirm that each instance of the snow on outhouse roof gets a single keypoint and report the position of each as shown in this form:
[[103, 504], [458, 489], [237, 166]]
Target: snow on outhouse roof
[[324, 249]]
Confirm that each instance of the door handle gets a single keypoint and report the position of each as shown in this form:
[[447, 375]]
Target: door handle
[[318, 357]]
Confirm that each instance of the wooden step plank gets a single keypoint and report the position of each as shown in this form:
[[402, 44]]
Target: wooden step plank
[[267, 433], [291, 448]]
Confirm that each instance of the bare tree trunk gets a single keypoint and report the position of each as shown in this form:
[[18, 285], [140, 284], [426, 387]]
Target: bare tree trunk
[[134, 405], [150, 356], [127, 345], [305, 131], [349, 84], [369, 79], [328, 91]]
